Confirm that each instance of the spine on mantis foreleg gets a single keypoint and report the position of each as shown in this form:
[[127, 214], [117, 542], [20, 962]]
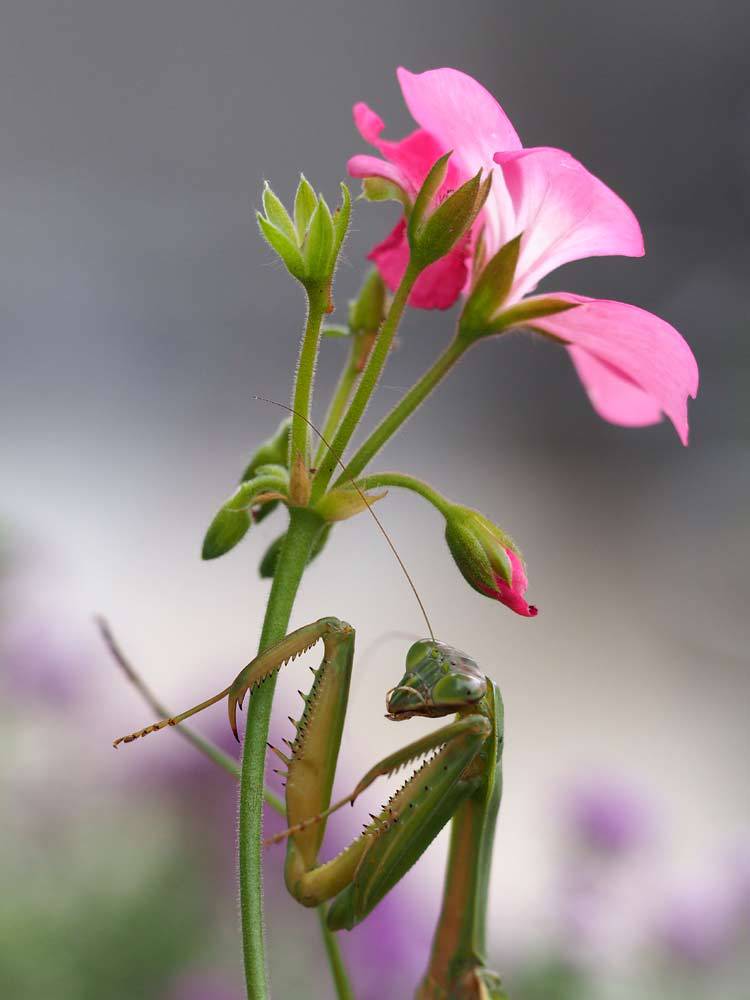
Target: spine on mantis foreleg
[[457, 962]]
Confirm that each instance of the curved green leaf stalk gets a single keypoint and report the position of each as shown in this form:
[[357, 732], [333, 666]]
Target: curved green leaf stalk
[[368, 381], [344, 990], [304, 527], [402, 481]]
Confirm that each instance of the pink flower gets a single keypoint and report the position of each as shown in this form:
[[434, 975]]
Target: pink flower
[[634, 366], [406, 166]]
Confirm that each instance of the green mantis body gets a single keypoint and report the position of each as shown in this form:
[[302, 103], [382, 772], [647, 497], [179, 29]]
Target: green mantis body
[[460, 779]]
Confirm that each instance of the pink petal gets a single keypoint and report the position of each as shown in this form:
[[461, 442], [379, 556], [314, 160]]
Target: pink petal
[[460, 114], [466, 118], [614, 397], [513, 595], [408, 160], [564, 212], [364, 165], [369, 124], [624, 354], [415, 155], [437, 287]]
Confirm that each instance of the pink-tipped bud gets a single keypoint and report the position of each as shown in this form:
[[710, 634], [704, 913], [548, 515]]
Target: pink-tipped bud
[[488, 559]]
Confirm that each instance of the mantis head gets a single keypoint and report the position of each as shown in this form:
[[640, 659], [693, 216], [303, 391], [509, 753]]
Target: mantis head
[[439, 680]]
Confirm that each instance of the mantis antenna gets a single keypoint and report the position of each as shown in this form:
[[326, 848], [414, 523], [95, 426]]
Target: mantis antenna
[[399, 560]]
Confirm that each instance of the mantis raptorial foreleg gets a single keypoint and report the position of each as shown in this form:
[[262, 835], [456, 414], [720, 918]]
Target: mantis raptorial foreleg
[[459, 780]]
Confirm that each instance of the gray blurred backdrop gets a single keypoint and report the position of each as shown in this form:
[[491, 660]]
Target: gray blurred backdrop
[[140, 312]]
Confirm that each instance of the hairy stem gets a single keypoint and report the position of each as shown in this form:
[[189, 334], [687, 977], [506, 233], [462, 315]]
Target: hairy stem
[[317, 302], [404, 482], [367, 383], [304, 527], [340, 398], [404, 409]]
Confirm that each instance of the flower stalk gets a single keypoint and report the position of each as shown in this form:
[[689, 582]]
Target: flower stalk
[[404, 409], [367, 383]]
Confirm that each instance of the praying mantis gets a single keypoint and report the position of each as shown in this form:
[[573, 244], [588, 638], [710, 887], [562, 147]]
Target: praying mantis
[[459, 777]]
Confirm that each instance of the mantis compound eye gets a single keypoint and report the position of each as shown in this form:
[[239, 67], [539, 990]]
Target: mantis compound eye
[[458, 688]]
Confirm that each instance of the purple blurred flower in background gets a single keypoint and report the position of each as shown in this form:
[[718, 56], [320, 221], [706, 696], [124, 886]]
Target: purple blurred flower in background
[[699, 926], [609, 818], [390, 946], [606, 824], [40, 661]]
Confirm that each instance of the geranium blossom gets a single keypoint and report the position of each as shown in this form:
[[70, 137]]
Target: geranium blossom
[[634, 366]]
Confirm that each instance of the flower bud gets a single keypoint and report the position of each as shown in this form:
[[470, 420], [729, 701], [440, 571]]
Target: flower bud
[[231, 523], [274, 451], [487, 558], [366, 312], [309, 244], [432, 234]]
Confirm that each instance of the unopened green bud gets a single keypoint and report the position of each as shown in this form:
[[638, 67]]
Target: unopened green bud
[[309, 244], [273, 452], [366, 312], [231, 523]]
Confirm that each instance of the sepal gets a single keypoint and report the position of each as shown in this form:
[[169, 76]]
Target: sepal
[[527, 310], [432, 235], [379, 189], [490, 290], [346, 501]]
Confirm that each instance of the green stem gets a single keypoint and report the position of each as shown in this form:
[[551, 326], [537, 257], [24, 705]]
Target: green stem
[[317, 303], [367, 383], [404, 409], [402, 481], [340, 398], [344, 989], [304, 527]]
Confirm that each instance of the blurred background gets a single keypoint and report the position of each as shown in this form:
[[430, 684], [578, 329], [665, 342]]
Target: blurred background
[[140, 312]]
